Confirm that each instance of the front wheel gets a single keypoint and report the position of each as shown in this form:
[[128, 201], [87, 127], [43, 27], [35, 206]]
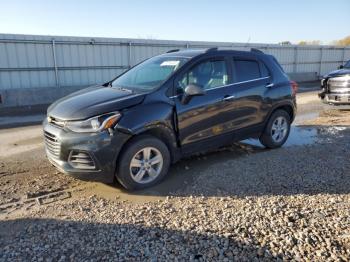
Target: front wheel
[[143, 163], [277, 130]]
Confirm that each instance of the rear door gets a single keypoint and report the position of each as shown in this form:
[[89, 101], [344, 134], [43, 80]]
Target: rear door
[[251, 80]]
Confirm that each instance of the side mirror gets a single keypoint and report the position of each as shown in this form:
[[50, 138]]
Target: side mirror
[[340, 67], [190, 91]]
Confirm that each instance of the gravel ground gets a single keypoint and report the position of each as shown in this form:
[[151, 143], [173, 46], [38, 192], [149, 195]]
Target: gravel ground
[[241, 203], [184, 228]]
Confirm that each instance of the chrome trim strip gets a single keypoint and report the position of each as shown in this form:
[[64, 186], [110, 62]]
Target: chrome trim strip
[[233, 84], [228, 98]]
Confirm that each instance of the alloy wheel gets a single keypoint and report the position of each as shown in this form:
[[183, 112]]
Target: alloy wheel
[[146, 165], [279, 129]]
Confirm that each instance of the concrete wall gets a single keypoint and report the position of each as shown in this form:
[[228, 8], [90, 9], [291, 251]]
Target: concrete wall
[[39, 69]]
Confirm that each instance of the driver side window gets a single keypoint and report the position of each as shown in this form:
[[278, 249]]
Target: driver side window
[[208, 74]]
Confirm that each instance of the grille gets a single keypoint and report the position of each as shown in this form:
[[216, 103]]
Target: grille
[[339, 84], [81, 160], [52, 145]]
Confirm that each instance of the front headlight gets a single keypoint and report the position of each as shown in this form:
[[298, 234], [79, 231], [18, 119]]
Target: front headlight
[[94, 124]]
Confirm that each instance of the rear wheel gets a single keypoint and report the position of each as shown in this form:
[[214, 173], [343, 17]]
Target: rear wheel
[[143, 163], [277, 130]]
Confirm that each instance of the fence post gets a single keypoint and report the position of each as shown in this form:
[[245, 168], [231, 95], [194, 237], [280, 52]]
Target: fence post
[[295, 59], [129, 54], [321, 61], [343, 60], [55, 62]]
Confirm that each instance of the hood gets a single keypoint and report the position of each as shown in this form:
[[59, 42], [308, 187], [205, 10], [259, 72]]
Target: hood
[[340, 72], [93, 101]]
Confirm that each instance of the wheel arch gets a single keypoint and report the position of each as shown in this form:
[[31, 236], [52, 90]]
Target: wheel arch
[[265, 136], [161, 132], [288, 107]]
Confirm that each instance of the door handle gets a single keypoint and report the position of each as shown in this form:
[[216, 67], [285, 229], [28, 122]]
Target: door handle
[[269, 85], [228, 98]]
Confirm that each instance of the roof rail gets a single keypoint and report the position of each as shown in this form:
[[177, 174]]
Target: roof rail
[[212, 49], [173, 50], [255, 50]]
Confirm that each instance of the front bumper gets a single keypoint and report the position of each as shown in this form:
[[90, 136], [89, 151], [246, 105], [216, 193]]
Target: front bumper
[[335, 98], [336, 90], [102, 148]]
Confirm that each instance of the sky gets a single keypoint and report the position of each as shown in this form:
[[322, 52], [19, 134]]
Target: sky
[[254, 21]]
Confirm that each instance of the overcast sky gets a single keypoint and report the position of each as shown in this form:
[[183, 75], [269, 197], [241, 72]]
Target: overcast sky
[[208, 20]]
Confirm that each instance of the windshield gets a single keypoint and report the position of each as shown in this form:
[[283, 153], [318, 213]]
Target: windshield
[[347, 65], [149, 74]]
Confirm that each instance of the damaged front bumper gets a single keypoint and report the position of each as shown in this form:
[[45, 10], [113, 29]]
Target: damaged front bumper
[[334, 98], [87, 156]]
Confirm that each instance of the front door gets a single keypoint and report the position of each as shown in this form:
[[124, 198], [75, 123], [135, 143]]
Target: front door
[[204, 118]]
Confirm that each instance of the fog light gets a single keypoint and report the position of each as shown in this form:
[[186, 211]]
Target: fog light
[[81, 160]]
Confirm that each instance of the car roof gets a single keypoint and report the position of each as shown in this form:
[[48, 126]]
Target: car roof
[[191, 53]]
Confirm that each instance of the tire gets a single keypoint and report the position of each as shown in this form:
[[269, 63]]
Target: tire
[[269, 137], [135, 168]]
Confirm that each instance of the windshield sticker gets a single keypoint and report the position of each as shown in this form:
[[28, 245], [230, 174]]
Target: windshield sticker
[[170, 63]]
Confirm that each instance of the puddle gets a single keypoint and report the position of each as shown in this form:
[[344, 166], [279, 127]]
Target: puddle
[[298, 136], [333, 130], [302, 136]]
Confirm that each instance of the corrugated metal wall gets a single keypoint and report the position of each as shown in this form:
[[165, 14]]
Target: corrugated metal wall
[[28, 61]]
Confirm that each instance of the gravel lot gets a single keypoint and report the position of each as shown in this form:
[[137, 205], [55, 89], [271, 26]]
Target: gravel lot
[[241, 203]]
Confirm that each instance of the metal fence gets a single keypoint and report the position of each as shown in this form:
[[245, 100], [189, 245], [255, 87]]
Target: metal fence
[[28, 61]]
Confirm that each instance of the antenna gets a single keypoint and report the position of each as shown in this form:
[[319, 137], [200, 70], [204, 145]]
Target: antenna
[[248, 41]]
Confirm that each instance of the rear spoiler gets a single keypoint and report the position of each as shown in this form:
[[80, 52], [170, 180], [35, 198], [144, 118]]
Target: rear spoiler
[[255, 50]]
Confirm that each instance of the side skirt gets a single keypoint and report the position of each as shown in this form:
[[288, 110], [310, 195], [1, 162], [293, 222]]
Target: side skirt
[[222, 140]]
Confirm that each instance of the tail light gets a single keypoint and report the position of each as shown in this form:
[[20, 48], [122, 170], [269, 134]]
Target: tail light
[[294, 86]]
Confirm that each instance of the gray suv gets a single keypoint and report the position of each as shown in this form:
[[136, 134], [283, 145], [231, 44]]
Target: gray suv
[[169, 106]]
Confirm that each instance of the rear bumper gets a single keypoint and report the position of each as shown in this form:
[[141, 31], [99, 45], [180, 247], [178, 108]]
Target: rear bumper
[[102, 148]]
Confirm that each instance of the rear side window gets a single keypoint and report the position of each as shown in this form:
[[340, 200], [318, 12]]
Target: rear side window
[[264, 71], [246, 70]]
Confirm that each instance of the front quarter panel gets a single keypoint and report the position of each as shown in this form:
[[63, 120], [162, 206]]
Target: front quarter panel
[[145, 116]]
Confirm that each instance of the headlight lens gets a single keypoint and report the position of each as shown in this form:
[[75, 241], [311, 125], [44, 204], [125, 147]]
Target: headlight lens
[[94, 124]]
